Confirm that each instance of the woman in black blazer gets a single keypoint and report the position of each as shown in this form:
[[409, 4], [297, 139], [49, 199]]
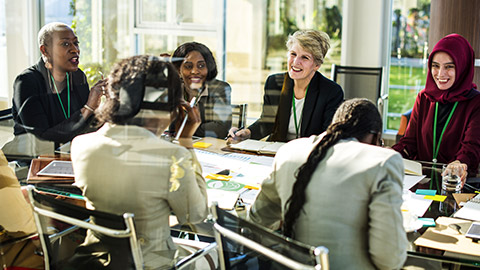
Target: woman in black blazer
[[300, 102]]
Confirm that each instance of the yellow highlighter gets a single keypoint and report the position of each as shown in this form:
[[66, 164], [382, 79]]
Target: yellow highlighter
[[256, 187], [220, 177]]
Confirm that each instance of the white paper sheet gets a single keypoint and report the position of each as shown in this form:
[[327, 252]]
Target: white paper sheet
[[415, 203], [411, 180]]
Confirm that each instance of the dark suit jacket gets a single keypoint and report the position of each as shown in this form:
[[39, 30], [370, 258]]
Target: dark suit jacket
[[323, 98], [36, 108]]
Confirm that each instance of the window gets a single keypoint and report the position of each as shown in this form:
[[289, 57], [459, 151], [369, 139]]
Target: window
[[246, 37], [3, 53], [408, 64]]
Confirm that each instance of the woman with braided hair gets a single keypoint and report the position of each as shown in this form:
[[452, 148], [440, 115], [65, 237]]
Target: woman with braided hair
[[341, 191]]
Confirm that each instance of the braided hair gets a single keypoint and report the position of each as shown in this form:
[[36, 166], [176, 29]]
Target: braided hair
[[355, 118]]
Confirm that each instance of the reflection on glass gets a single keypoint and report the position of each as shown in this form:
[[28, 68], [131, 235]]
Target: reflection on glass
[[184, 11], [408, 62], [154, 10], [158, 44]]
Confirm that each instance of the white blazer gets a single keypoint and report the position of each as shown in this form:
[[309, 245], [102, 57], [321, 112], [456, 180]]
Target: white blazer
[[128, 169], [352, 202]]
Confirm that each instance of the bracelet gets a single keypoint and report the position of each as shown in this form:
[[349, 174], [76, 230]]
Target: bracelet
[[88, 108]]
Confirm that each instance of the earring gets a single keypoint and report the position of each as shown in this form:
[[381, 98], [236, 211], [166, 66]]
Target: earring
[[47, 62]]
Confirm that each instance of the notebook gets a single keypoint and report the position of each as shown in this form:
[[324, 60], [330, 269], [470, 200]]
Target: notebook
[[471, 210], [259, 147]]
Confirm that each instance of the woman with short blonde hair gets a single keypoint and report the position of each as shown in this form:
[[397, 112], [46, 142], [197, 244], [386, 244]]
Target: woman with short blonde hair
[[300, 102]]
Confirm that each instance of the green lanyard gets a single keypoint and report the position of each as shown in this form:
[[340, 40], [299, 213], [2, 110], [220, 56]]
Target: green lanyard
[[436, 146], [68, 96], [295, 111]]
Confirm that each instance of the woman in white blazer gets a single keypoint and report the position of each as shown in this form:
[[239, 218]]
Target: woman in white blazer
[[340, 191], [126, 167]]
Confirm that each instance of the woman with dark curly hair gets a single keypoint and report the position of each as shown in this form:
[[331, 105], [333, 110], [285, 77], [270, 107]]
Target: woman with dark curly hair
[[341, 191], [126, 167], [198, 71]]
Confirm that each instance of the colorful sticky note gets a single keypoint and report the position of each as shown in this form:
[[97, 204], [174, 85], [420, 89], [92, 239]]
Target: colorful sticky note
[[202, 145], [430, 192], [439, 198], [218, 177], [427, 222], [256, 187]]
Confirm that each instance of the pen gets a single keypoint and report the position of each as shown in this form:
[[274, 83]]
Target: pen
[[235, 132], [101, 74], [180, 130]]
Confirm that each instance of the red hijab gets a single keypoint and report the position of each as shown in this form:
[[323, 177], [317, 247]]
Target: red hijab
[[464, 58]]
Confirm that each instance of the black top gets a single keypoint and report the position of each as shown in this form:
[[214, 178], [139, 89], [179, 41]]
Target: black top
[[322, 100], [36, 109]]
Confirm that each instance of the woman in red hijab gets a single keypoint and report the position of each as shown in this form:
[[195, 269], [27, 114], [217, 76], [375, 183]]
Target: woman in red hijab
[[445, 122]]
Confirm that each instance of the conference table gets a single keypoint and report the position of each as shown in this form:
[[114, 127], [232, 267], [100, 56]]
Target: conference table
[[436, 210]]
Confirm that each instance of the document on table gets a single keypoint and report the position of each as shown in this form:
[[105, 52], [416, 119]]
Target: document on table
[[416, 204], [225, 199], [245, 169], [411, 180], [256, 146]]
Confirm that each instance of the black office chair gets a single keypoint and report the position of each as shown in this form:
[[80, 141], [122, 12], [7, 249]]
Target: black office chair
[[114, 230], [360, 82], [244, 245], [239, 115], [118, 231]]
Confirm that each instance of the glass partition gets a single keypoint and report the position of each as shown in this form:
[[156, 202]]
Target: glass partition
[[408, 62]]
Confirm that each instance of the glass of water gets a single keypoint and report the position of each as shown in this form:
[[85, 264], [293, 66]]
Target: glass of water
[[451, 180]]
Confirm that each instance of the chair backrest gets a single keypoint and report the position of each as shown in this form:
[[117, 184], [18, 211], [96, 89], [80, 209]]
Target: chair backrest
[[113, 230], [360, 82], [404, 119], [239, 115], [244, 245]]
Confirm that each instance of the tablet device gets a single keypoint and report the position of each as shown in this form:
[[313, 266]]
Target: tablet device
[[58, 168], [474, 231]]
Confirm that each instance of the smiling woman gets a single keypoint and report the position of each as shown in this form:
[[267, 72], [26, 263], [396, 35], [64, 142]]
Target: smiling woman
[[51, 98], [300, 102], [198, 70], [446, 116]]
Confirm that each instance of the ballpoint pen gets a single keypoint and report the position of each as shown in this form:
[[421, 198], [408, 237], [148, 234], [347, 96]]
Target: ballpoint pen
[[193, 102], [235, 132], [103, 98]]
